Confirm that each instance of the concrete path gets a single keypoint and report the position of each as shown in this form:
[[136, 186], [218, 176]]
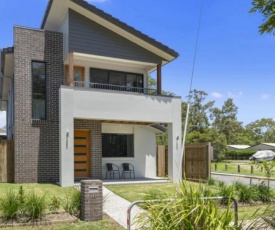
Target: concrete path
[[116, 207]]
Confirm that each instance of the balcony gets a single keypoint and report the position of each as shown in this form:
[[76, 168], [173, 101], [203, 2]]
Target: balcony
[[139, 90]]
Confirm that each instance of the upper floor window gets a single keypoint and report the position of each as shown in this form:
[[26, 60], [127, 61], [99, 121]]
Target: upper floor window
[[38, 90], [117, 78]]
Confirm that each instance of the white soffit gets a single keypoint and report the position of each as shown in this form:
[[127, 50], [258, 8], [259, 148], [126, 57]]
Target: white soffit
[[113, 61], [60, 8]]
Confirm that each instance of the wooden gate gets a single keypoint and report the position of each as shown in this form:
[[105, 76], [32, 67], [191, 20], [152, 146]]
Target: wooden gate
[[6, 161], [82, 156], [197, 161]]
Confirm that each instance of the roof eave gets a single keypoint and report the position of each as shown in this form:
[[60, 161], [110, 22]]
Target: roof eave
[[167, 53]]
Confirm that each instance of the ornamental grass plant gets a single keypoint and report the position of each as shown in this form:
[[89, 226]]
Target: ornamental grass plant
[[187, 211], [35, 206], [72, 202], [9, 205]]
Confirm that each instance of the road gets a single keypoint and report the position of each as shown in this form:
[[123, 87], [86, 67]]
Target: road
[[229, 179]]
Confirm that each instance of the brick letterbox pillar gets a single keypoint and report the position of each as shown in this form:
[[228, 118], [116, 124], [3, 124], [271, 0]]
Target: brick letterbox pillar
[[91, 200]]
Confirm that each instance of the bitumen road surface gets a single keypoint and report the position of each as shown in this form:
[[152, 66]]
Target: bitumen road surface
[[229, 179]]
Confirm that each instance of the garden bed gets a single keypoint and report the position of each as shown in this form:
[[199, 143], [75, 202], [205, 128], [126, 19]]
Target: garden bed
[[49, 218]]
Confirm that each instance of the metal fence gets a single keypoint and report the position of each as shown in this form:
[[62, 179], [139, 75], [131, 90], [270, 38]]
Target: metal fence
[[115, 87]]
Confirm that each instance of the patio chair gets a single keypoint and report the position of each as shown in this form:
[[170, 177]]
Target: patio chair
[[128, 168], [112, 169]]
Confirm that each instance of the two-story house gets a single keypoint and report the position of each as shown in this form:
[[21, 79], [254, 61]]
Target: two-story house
[[76, 95]]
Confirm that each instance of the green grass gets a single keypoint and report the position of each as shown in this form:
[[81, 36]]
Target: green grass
[[233, 167], [137, 191], [40, 189]]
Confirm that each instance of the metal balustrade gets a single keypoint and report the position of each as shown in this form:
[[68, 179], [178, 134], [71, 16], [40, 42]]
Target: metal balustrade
[[115, 87]]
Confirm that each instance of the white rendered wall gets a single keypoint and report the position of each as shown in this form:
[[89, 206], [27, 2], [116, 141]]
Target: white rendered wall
[[144, 159], [66, 139], [123, 106], [96, 104]]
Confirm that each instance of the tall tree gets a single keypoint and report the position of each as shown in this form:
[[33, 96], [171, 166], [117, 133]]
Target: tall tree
[[262, 130], [267, 9], [225, 120], [199, 111]]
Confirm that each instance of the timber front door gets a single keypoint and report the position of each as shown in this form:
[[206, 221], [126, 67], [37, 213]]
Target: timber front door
[[82, 158]]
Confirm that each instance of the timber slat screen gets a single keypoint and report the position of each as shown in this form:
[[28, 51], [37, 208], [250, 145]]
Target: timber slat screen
[[6, 161], [161, 161], [197, 161]]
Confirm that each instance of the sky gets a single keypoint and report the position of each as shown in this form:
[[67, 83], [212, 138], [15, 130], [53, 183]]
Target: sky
[[233, 60]]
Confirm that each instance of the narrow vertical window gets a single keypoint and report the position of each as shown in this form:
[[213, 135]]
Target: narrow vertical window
[[39, 90]]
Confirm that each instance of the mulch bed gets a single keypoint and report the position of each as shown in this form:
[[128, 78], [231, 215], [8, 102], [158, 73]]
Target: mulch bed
[[49, 218]]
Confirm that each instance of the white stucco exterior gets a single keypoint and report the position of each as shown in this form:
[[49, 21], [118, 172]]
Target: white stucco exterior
[[144, 159], [110, 105]]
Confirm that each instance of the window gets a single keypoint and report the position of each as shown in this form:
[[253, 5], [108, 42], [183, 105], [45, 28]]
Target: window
[[110, 77], [117, 145], [38, 90]]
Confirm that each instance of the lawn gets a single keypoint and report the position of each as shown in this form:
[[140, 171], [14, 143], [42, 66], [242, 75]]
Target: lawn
[[54, 190], [136, 192], [245, 167]]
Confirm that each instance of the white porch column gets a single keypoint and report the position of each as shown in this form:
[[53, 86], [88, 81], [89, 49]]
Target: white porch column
[[66, 138], [174, 144], [174, 151]]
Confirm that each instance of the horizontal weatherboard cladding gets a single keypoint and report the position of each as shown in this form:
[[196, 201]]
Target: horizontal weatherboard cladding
[[86, 36]]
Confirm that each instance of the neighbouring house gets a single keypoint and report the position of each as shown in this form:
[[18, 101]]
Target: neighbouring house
[[237, 147], [263, 146], [76, 95]]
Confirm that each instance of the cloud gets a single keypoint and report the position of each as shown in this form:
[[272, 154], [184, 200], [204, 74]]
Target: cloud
[[265, 96], [230, 94], [216, 94]]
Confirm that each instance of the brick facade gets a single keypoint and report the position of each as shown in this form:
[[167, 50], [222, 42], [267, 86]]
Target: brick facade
[[36, 143], [96, 144]]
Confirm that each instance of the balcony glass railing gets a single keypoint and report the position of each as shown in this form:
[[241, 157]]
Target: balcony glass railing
[[115, 87]]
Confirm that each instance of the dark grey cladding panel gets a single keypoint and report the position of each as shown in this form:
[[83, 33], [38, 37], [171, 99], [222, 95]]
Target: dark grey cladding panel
[[87, 36]]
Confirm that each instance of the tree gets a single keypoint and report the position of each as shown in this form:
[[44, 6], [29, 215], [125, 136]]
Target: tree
[[225, 120], [267, 9], [261, 130], [199, 111]]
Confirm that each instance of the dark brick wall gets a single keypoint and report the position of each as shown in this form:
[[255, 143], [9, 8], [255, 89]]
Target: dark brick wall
[[36, 143], [96, 146], [91, 200]]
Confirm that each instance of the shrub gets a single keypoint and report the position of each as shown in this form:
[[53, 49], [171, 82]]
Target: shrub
[[9, 205], [237, 185], [72, 202], [211, 181], [188, 211], [35, 206], [54, 204], [264, 192], [246, 194], [240, 153]]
